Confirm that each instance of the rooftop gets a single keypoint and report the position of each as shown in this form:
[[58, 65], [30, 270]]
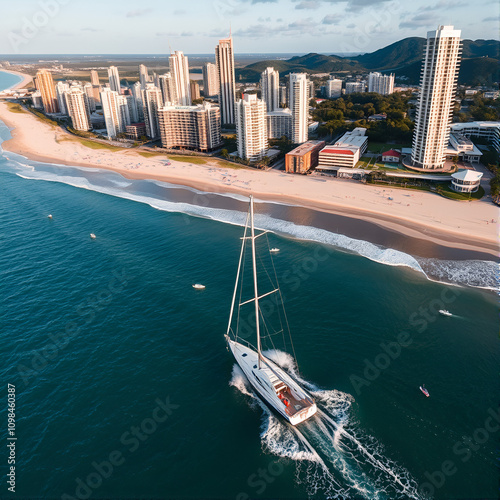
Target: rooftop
[[305, 148]]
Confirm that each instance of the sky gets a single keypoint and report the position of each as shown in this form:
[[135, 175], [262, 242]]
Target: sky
[[258, 26]]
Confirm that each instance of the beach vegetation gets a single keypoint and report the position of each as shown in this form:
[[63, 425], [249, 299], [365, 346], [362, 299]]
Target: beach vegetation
[[14, 107], [197, 160], [99, 145]]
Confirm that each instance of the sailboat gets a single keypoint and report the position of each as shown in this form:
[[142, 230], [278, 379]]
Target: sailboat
[[275, 387]]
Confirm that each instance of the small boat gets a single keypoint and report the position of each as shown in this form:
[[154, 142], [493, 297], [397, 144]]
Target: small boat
[[424, 390], [274, 250], [444, 312], [279, 390], [49, 216], [198, 286], [92, 236]]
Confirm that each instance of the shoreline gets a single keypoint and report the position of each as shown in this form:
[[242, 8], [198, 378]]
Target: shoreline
[[26, 79], [478, 237]]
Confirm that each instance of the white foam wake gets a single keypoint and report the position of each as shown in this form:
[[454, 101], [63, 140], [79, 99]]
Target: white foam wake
[[332, 455]]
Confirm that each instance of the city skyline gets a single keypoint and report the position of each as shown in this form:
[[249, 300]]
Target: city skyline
[[260, 26]]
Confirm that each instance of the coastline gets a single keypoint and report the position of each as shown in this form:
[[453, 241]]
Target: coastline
[[410, 216], [26, 79]]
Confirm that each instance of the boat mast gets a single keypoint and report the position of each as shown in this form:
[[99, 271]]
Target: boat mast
[[254, 262]]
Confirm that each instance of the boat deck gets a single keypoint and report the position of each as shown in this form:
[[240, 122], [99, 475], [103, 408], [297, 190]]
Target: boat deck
[[296, 405]]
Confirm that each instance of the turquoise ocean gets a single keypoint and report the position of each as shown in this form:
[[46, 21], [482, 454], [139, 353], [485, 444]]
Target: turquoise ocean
[[124, 385]]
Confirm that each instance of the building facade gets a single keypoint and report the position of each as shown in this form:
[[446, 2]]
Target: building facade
[[195, 90], [114, 79], [143, 75], [167, 87], [190, 127], [382, 84], [224, 58], [152, 102], [303, 158], [78, 108], [269, 85], [279, 124], [179, 69], [210, 80], [94, 77], [355, 87], [345, 153], [61, 89], [333, 88], [113, 113], [251, 128], [45, 85], [299, 105], [437, 95], [489, 131]]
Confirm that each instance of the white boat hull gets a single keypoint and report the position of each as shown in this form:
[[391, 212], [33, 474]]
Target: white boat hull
[[300, 405]]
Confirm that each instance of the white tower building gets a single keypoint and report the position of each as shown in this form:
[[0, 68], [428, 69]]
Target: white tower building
[[179, 68], [114, 79], [299, 105], [167, 87], [438, 85], [152, 101], [113, 113], [270, 84], [333, 88], [382, 84], [210, 80], [251, 128], [143, 76], [224, 58], [61, 89], [78, 108]]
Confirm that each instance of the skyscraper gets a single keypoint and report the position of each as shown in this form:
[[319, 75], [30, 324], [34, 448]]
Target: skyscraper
[[45, 84], [94, 77], [179, 68], [152, 102], [333, 88], [137, 93], [382, 84], [61, 89], [269, 84], [224, 58], [210, 80], [299, 105], [114, 79], [143, 76], [112, 105], [78, 108], [88, 88], [167, 87], [251, 128], [438, 85], [194, 87]]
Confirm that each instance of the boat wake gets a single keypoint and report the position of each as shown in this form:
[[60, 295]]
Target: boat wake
[[334, 458]]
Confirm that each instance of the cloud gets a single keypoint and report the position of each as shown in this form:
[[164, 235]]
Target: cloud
[[331, 19], [308, 4], [264, 20], [491, 18], [138, 12], [92, 30], [419, 21], [352, 25], [174, 35]]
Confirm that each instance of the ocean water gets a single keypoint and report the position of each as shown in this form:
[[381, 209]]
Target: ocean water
[[125, 388], [8, 80]]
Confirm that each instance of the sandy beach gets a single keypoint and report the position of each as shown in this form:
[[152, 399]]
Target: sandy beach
[[26, 79], [415, 214]]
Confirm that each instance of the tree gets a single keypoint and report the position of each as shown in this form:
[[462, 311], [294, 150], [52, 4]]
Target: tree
[[225, 154]]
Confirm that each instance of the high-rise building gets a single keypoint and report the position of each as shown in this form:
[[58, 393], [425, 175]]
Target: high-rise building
[[195, 89], [45, 84], [113, 113], [88, 88], [179, 68], [210, 80], [224, 58], [167, 87], [94, 77], [333, 88], [438, 85], [251, 128], [143, 76], [36, 98], [382, 84], [114, 79], [132, 108], [279, 124], [137, 93], [311, 89], [152, 102], [61, 89], [299, 105], [354, 87], [78, 108], [190, 127], [269, 85], [283, 92]]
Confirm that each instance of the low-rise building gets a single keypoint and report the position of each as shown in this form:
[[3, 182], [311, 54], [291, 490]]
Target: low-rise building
[[391, 156], [279, 124], [463, 148], [304, 157], [345, 153], [377, 117], [136, 130], [466, 181], [484, 130]]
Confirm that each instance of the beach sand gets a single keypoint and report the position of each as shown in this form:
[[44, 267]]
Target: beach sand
[[415, 214]]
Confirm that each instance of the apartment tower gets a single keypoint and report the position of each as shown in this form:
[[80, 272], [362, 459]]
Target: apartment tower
[[179, 68], [224, 58], [299, 105], [78, 108], [45, 85], [251, 128], [210, 80], [270, 84], [114, 79]]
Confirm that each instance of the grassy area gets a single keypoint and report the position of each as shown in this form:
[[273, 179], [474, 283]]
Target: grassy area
[[447, 192], [99, 145], [197, 160], [44, 119], [381, 147], [15, 107], [148, 154]]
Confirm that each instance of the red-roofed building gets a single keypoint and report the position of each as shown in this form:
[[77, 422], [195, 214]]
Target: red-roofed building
[[346, 152], [391, 156]]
